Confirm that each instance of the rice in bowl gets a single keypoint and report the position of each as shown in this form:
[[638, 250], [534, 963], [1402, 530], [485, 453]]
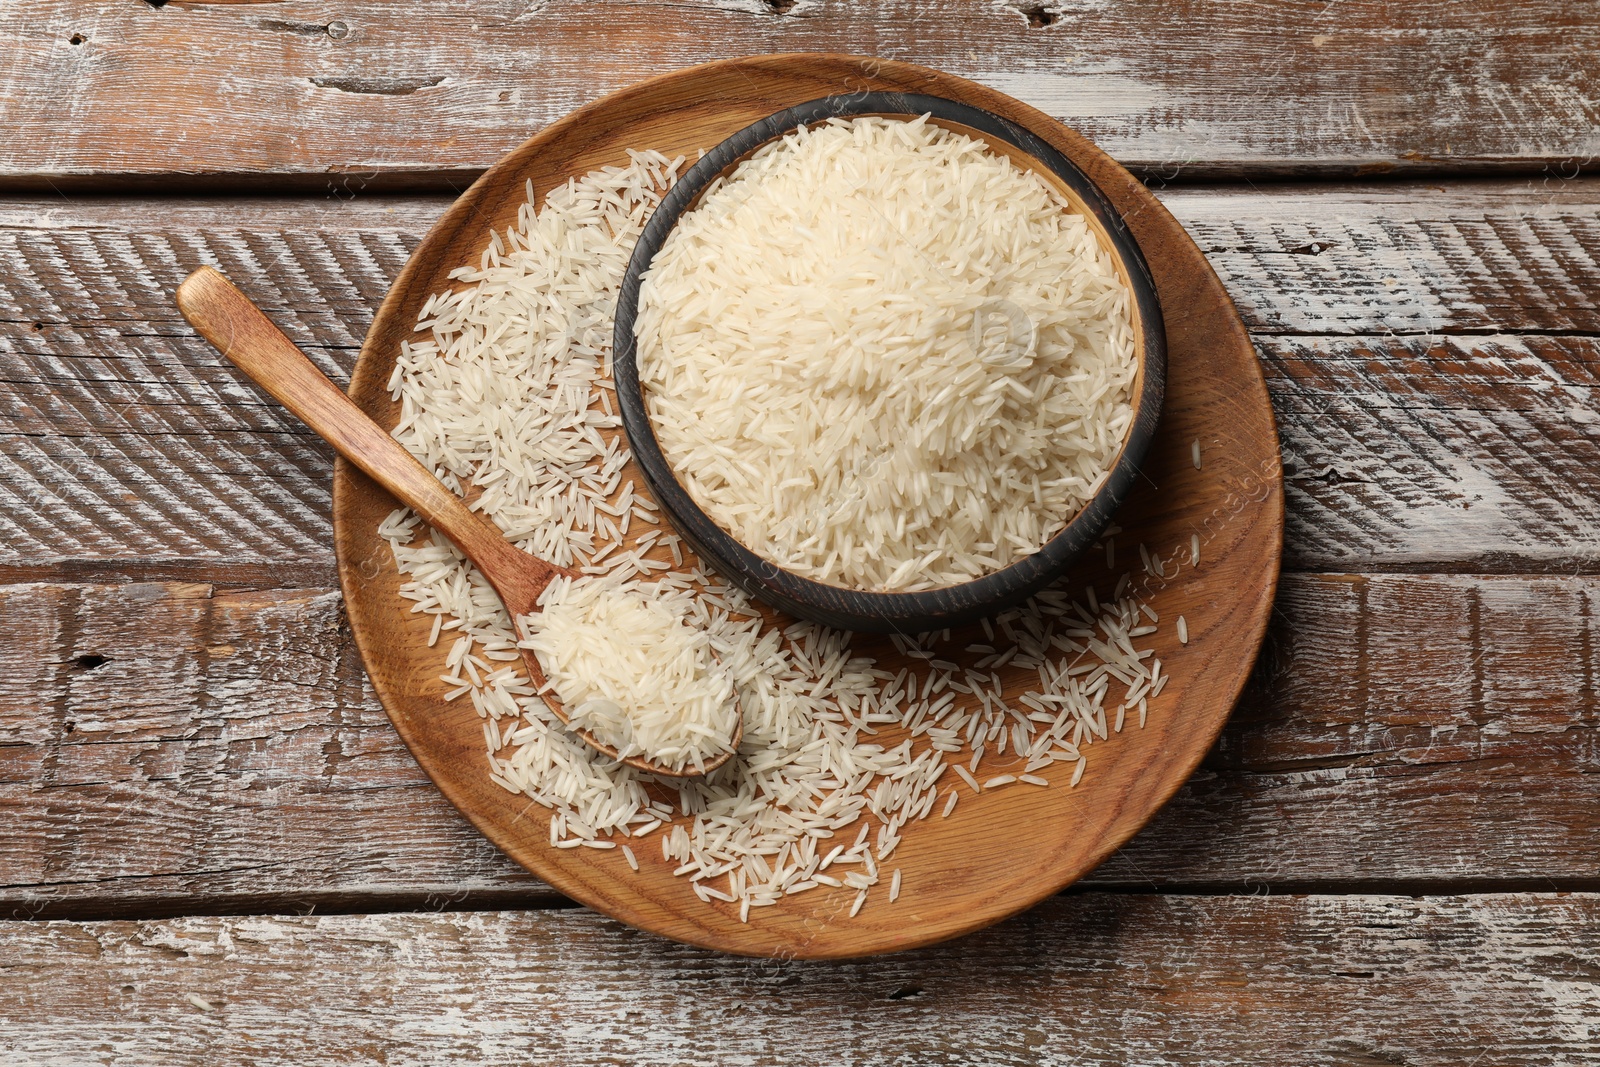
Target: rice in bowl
[[881, 356]]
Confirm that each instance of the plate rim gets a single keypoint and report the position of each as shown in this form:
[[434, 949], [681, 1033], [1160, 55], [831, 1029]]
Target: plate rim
[[347, 481]]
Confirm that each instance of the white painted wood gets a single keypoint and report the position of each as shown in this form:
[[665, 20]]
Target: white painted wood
[[1410, 451], [228, 754], [1372, 258], [106, 397], [341, 96], [1480, 452], [1411, 258], [1446, 981]]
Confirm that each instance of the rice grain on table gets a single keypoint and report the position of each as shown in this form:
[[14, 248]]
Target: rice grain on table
[[504, 391], [883, 357]]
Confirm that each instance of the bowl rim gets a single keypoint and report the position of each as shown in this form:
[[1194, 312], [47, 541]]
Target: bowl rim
[[869, 610]]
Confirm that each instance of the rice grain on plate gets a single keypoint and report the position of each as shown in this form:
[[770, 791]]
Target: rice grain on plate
[[506, 390], [883, 357]]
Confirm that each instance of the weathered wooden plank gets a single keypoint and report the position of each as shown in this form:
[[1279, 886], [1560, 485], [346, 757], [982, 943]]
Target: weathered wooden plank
[[1462, 257], [1404, 257], [133, 442], [163, 738], [1086, 979], [1401, 453], [171, 747], [348, 95], [1397, 728]]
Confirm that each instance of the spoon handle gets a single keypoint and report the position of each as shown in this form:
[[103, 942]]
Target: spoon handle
[[241, 332]]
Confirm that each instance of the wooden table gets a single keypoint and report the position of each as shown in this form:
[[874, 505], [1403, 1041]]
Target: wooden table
[[214, 847]]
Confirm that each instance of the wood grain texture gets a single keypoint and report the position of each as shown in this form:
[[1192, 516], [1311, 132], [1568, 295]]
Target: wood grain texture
[[179, 747], [168, 738], [348, 95], [214, 745], [1345, 258], [1470, 449], [242, 333], [1097, 979], [1408, 258], [959, 876], [1401, 453], [152, 456]]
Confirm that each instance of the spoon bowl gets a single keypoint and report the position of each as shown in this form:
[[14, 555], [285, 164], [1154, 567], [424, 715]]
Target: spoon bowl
[[243, 333]]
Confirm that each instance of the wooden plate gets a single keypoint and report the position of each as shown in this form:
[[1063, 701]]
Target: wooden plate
[[1003, 850]]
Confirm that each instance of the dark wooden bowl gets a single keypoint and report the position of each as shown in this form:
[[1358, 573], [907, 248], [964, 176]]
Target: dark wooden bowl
[[934, 609]]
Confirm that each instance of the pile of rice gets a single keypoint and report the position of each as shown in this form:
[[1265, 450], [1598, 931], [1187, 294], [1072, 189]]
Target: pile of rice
[[630, 667], [508, 393], [883, 357]]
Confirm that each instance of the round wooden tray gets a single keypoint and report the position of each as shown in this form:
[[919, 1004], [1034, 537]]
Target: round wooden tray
[[1001, 851]]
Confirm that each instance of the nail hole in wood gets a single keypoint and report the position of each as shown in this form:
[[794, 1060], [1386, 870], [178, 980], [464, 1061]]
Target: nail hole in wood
[[77, 38], [71, 727], [781, 7], [90, 662], [1039, 16], [906, 992], [156, 3]]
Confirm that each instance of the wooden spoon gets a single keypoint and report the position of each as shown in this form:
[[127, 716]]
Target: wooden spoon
[[241, 332]]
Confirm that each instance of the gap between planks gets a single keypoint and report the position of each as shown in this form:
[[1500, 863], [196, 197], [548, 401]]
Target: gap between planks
[[449, 898]]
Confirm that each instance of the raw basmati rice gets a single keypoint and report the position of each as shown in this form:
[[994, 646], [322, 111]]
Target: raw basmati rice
[[504, 392], [883, 357], [630, 667]]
